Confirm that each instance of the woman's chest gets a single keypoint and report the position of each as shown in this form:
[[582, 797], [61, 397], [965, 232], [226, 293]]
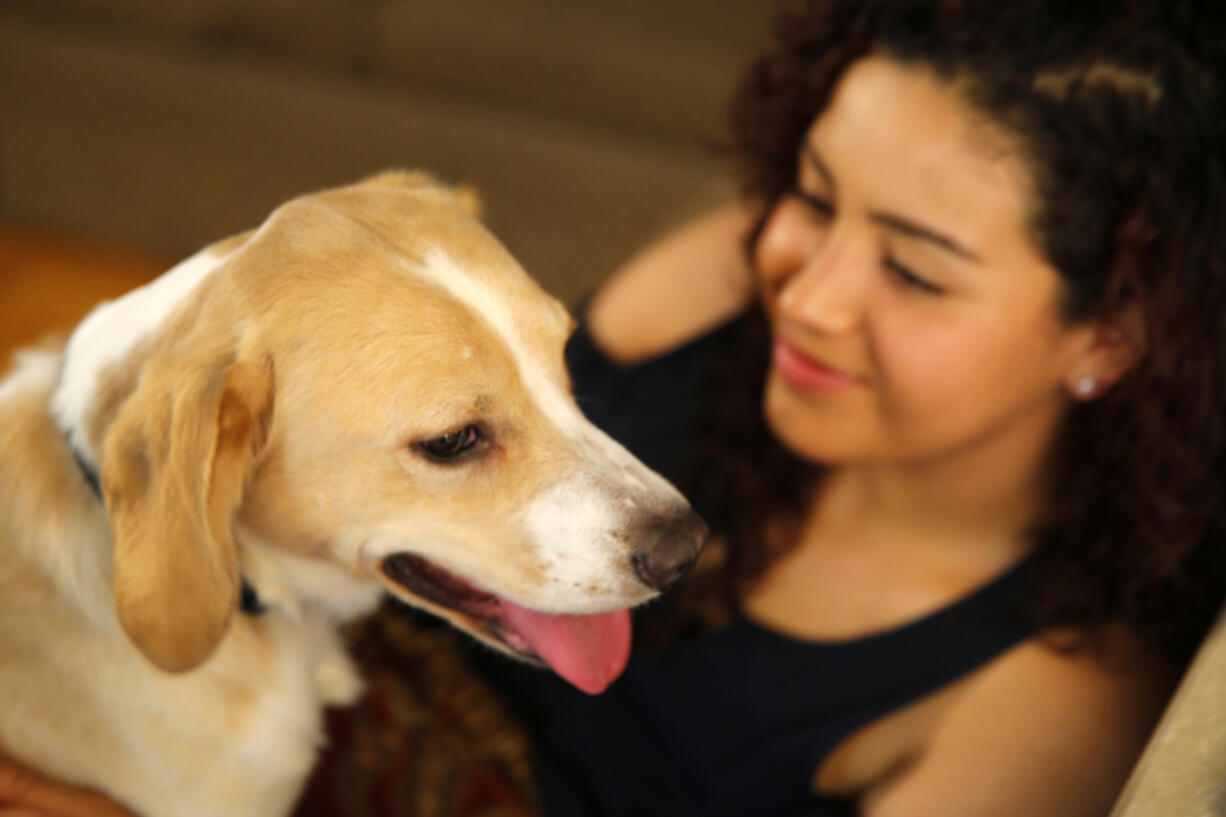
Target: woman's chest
[[903, 626], [842, 590]]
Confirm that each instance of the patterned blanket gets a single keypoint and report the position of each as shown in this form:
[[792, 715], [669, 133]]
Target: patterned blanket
[[428, 739]]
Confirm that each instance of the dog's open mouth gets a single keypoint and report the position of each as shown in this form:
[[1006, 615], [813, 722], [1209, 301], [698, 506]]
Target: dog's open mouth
[[589, 651]]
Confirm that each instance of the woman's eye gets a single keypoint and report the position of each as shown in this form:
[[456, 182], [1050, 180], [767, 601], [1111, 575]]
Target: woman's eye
[[814, 202], [911, 279], [450, 446]]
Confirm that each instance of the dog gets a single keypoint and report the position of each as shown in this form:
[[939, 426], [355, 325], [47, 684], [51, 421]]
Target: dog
[[367, 394]]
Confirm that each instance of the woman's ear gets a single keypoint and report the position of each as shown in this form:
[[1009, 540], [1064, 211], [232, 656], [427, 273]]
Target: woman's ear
[[1112, 347], [175, 464]]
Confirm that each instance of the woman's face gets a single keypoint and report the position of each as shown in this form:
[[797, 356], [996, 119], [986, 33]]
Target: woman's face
[[913, 316]]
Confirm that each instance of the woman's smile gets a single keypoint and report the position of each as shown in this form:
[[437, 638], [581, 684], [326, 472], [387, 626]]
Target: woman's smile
[[806, 373]]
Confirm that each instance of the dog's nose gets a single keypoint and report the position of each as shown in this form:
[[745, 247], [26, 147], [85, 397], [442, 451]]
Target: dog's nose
[[672, 555]]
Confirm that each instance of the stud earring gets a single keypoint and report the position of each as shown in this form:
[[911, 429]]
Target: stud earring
[[1085, 386]]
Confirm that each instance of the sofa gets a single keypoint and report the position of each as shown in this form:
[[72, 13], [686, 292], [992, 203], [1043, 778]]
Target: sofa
[[587, 125]]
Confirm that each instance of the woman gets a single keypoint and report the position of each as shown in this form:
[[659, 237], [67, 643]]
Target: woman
[[973, 535], [963, 464]]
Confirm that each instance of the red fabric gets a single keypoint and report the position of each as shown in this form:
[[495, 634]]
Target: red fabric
[[428, 739]]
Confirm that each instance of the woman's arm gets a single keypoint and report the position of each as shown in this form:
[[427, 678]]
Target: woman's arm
[[678, 287], [24, 793], [1039, 731]]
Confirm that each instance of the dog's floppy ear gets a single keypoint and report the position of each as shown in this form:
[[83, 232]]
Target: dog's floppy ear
[[175, 464]]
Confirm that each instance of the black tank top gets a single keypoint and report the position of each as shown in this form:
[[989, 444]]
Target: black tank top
[[736, 722]]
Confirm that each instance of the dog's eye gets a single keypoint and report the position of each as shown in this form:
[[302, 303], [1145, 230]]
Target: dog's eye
[[450, 446]]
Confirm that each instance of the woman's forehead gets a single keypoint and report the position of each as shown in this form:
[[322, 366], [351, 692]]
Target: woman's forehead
[[898, 139]]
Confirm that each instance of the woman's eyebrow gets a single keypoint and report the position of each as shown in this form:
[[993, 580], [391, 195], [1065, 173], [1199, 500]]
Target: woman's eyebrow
[[925, 234], [814, 159], [902, 225]]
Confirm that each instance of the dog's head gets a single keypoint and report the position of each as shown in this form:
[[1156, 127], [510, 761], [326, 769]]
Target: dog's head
[[371, 381]]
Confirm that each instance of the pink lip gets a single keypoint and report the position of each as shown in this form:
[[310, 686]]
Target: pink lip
[[804, 373]]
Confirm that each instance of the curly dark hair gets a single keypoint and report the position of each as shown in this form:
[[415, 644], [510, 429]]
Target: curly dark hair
[[1117, 106]]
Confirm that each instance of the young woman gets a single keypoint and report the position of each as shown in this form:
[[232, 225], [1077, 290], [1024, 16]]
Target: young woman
[[965, 462], [950, 386]]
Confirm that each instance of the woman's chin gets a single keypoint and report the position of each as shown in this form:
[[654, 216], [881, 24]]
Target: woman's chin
[[814, 433]]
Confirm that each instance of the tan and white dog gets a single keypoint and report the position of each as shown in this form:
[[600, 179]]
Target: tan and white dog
[[367, 393]]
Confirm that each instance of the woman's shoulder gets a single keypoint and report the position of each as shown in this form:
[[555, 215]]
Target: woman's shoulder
[[1051, 727]]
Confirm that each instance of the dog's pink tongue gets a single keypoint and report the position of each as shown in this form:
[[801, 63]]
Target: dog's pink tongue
[[589, 651]]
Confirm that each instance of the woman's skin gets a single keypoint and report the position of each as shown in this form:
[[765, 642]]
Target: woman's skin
[[26, 794], [905, 265], [637, 312]]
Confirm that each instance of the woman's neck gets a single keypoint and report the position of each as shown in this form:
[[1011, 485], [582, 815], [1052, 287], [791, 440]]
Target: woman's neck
[[983, 495]]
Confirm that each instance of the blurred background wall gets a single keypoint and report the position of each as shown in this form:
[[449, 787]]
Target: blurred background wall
[[160, 125]]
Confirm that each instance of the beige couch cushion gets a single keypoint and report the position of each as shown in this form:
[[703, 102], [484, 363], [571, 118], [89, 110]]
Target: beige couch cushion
[[586, 125]]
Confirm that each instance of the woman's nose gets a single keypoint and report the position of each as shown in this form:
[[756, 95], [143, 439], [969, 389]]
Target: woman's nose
[[826, 294], [814, 272]]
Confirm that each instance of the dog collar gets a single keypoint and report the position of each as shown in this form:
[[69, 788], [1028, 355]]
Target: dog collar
[[248, 599], [87, 471]]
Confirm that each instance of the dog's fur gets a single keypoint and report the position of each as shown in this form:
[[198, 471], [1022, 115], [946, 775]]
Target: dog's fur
[[257, 414]]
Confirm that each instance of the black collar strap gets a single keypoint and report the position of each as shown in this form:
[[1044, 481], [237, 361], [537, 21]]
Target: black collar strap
[[87, 471], [248, 601]]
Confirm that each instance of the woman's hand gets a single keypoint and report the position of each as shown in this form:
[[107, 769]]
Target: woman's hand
[[24, 793]]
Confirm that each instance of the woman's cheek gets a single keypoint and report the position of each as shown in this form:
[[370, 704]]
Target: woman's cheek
[[934, 372]]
